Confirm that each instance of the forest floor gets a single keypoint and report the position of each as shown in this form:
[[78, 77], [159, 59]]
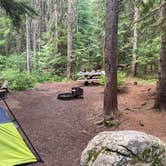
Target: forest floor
[[60, 130]]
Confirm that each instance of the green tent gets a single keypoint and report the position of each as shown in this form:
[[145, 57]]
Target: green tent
[[13, 150]]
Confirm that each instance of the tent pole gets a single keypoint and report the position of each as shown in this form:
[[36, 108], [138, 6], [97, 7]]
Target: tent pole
[[24, 133]]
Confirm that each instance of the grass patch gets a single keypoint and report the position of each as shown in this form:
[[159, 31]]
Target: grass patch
[[143, 81], [122, 76]]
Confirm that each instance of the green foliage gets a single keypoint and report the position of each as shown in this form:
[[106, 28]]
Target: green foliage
[[102, 80], [42, 76], [48, 60], [17, 10], [5, 31], [21, 80], [125, 33], [17, 80], [2, 62], [47, 77], [121, 79], [111, 122], [88, 37], [147, 80], [15, 62]]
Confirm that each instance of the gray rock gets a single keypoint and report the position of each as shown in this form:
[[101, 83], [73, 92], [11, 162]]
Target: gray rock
[[124, 148]]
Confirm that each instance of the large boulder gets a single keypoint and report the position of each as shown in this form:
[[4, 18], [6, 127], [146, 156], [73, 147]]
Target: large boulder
[[124, 148]]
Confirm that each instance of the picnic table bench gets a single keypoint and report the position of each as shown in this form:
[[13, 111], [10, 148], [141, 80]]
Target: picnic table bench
[[91, 77]]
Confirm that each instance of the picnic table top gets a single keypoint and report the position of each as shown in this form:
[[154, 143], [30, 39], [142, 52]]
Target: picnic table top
[[90, 74]]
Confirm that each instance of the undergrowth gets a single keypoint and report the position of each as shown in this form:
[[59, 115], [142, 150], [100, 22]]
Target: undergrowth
[[121, 78], [22, 81]]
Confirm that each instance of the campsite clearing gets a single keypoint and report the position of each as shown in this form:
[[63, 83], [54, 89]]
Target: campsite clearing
[[60, 130]]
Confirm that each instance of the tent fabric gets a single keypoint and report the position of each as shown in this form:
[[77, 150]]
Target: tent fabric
[[13, 150], [3, 117]]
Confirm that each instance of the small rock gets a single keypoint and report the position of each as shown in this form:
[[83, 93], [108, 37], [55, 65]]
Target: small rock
[[141, 123], [84, 132], [143, 104], [149, 89], [128, 109], [101, 122]]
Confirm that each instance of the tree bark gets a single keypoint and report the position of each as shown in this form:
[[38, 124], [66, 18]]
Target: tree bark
[[161, 85], [18, 47], [34, 29], [110, 52], [70, 36], [144, 69], [18, 42], [56, 23], [135, 41], [28, 46]]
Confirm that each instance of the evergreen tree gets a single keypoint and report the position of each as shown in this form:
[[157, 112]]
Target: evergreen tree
[[111, 53]]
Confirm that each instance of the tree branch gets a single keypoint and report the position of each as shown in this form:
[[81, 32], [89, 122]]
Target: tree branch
[[150, 13]]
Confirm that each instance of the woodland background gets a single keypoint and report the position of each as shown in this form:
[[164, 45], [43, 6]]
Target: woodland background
[[37, 51]]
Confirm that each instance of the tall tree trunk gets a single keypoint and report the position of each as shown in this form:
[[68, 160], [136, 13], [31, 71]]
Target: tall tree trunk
[[7, 46], [18, 42], [135, 41], [18, 47], [70, 36], [56, 23], [110, 50], [34, 41], [144, 69], [161, 85], [34, 36], [28, 46]]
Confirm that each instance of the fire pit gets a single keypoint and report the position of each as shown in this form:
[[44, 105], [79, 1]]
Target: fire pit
[[76, 93]]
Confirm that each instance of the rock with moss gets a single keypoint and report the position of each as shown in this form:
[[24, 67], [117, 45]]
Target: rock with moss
[[124, 148]]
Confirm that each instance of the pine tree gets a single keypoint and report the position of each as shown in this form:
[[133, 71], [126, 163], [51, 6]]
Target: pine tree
[[161, 86], [70, 37], [135, 40], [111, 53]]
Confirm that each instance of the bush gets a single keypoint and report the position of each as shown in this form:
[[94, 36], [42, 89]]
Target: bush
[[121, 79], [18, 80], [42, 76], [47, 77], [59, 78], [21, 80], [102, 80]]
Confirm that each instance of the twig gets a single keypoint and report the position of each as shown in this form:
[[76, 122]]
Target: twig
[[151, 13]]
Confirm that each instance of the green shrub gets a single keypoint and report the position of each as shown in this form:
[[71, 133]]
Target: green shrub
[[2, 62], [102, 80], [59, 78], [16, 61], [121, 78], [47, 77], [18, 80], [74, 77], [42, 76]]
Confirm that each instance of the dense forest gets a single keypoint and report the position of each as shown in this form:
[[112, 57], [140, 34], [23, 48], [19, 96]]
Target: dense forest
[[59, 38], [50, 46], [43, 37]]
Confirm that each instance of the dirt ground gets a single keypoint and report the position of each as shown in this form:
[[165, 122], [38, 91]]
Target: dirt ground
[[60, 130]]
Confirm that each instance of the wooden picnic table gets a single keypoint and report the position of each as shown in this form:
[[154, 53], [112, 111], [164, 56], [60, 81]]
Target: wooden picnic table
[[89, 77]]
